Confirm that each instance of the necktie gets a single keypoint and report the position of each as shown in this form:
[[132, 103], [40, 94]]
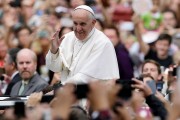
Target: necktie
[[21, 88]]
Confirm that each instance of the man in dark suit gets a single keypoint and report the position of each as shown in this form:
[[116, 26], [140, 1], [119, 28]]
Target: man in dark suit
[[31, 81], [11, 69]]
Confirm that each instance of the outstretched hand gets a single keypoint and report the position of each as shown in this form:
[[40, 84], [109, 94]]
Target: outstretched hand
[[55, 42]]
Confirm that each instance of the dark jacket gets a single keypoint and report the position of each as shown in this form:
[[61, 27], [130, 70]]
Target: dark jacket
[[157, 107], [36, 84], [14, 80]]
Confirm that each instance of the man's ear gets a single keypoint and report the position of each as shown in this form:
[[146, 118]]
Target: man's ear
[[94, 21], [13, 65]]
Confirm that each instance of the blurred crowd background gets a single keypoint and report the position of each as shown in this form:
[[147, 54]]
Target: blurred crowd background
[[134, 27], [31, 23]]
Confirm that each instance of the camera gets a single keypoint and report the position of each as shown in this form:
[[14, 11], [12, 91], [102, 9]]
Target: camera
[[81, 91], [19, 109], [126, 92]]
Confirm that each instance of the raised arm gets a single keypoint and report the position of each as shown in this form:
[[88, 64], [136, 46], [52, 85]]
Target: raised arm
[[144, 48], [53, 58]]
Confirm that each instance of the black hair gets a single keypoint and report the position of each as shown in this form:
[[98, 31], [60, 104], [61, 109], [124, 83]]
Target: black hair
[[114, 28], [13, 54], [100, 22], [153, 62], [62, 29], [165, 36], [21, 28]]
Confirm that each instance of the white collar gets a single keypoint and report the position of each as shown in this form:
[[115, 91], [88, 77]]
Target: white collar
[[15, 73], [25, 82]]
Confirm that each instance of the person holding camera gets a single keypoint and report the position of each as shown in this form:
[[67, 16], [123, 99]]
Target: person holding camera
[[84, 54], [153, 69]]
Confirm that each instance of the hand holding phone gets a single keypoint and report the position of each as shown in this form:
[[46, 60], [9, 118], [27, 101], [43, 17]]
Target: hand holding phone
[[152, 85], [142, 86]]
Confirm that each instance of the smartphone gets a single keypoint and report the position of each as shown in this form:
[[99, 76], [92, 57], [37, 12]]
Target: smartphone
[[19, 109], [159, 85], [152, 85], [81, 91]]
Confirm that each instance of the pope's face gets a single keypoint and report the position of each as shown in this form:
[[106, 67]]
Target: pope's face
[[83, 23]]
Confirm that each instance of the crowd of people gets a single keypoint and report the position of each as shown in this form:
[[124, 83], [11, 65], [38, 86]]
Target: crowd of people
[[113, 59]]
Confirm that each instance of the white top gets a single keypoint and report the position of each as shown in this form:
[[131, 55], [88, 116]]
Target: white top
[[82, 61]]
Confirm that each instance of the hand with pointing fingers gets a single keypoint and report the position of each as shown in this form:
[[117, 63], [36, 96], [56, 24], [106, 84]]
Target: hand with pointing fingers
[[55, 42]]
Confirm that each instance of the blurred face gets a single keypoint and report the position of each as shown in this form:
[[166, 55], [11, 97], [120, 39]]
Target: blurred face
[[3, 49], [24, 38], [26, 65], [169, 20], [10, 16], [162, 47], [111, 34], [45, 42], [75, 3], [83, 23], [27, 10], [8, 65], [152, 70]]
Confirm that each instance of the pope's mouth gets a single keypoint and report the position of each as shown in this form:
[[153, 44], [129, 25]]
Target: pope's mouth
[[80, 32]]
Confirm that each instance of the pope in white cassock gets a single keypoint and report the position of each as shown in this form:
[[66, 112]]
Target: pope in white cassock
[[84, 54]]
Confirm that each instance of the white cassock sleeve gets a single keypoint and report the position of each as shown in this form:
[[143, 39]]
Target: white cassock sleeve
[[80, 78], [54, 61]]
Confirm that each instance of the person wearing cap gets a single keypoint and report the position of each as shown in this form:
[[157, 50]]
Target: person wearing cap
[[85, 54]]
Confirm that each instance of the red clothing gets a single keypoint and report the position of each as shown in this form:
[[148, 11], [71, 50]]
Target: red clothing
[[1, 64]]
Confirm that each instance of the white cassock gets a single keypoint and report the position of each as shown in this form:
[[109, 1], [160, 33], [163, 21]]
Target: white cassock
[[82, 61]]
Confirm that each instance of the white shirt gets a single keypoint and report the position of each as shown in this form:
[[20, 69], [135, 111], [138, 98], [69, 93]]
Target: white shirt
[[15, 73]]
